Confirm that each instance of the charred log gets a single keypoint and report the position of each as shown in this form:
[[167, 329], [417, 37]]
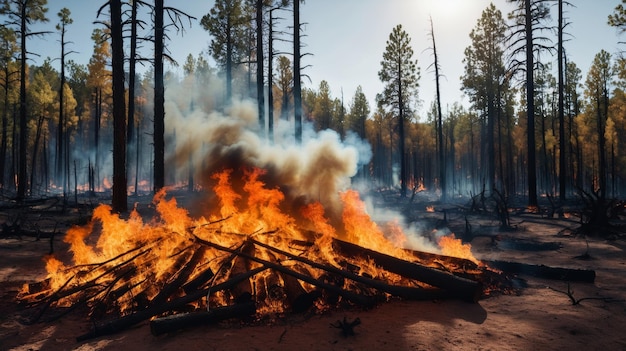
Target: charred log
[[181, 321], [546, 272], [242, 292]]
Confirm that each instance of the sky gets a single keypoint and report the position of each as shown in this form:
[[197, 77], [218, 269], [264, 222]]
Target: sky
[[346, 39]]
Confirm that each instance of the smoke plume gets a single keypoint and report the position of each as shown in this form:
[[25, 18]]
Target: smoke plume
[[315, 170]]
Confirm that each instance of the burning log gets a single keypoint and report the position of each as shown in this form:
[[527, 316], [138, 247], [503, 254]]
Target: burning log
[[182, 275], [411, 293], [356, 298], [180, 321], [242, 292], [120, 324], [201, 279], [299, 299], [462, 288], [280, 287]]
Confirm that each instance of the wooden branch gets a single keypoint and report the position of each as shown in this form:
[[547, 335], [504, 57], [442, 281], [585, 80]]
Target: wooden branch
[[356, 298], [400, 291], [570, 294], [119, 324], [185, 320], [182, 275]]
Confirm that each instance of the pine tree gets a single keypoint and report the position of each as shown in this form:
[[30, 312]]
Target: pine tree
[[484, 78], [227, 22], [400, 74]]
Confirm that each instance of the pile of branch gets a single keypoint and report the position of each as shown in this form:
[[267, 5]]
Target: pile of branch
[[126, 290]]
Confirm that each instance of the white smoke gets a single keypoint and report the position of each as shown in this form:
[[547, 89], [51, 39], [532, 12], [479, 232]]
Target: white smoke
[[316, 169]]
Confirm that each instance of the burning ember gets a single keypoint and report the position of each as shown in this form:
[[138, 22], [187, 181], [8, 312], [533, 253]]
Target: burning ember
[[246, 250]]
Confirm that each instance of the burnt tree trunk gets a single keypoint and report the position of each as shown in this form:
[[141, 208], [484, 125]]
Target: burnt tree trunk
[[119, 200], [442, 165], [259, 65], [131, 85], [530, 107], [159, 99], [297, 87]]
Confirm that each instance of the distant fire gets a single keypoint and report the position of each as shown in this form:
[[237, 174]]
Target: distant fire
[[430, 208]]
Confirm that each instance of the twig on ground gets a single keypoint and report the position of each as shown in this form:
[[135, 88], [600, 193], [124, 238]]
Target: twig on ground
[[570, 294]]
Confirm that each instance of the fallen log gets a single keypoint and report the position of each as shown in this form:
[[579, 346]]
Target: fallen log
[[543, 271], [458, 287], [181, 321]]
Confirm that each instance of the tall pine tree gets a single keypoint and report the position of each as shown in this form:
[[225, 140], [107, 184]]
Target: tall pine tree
[[400, 74]]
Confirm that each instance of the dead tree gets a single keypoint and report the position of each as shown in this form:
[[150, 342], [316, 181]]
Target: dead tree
[[442, 166]]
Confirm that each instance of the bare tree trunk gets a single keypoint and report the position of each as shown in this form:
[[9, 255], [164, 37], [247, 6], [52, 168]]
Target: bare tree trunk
[[131, 84], [442, 159], [21, 173], [297, 88], [14, 150], [530, 108], [119, 199], [159, 99], [562, 154], [35, 149], [98, 116], [61, 125], [259, 65], [229, 58], [5, 125], [602, 115], [401, 142], [270, 79]]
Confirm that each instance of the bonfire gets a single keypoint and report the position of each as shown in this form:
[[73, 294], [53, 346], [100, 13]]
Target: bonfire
[[249, 256]]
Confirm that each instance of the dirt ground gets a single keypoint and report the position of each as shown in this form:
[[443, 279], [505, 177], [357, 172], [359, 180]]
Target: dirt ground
[[541, 317]]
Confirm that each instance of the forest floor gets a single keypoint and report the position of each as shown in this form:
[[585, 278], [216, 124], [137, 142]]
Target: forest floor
[[540, 317]]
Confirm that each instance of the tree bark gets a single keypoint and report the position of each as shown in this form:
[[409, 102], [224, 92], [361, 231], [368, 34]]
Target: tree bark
[[260, 88], [442, 159], [22, 177], [530, 108], [297, 88], [159, 99], [562, 153], [119, 199], [131, 87]]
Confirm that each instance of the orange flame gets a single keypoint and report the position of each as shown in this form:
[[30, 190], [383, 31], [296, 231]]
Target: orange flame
[[451, 246], [250, 211]]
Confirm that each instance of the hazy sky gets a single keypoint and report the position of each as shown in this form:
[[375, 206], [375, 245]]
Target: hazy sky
[[347, 38]]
